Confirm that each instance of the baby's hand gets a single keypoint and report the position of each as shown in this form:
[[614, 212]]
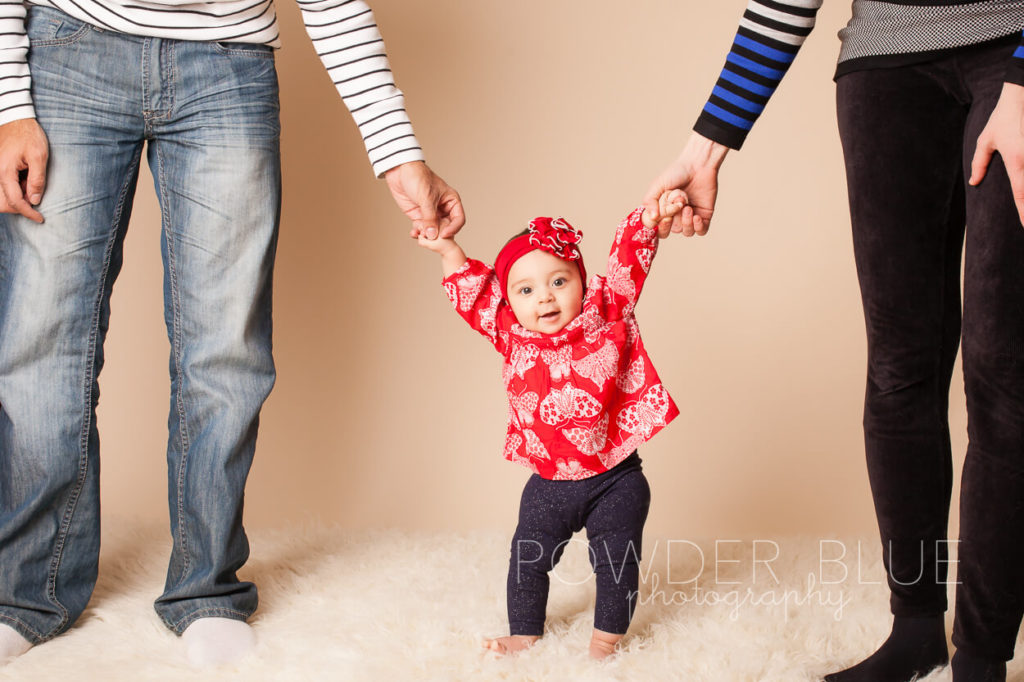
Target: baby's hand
[[439, 245], [452, 255], [669, 205]]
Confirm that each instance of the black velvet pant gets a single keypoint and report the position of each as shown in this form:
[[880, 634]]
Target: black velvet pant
[[909, 135], [613, 508]]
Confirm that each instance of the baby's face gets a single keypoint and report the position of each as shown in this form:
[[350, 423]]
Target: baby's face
[[545, 292]]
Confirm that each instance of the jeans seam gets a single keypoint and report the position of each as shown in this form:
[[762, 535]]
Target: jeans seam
[[210, 611], [17, 621], [90, 365], [242, 52], [168, 72], [146, 49], [172, 275], [171, 67], [61, 42]]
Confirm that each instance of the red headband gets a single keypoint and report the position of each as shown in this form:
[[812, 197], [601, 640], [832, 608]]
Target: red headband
[[554, 235]]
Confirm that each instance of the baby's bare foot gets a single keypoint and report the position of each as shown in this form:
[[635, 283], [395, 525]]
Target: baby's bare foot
[[602, 644], [511, 644]]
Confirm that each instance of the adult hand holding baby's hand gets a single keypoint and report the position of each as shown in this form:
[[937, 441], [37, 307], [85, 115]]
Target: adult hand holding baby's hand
[[695, 172], [434, 208], [670, 204]]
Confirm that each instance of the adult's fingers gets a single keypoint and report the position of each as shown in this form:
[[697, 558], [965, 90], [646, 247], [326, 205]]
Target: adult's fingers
[[651, 206], [455, 215], [982, 157], [664, 227], [36, 182], [428, 217], [683, 222], [16, 202]]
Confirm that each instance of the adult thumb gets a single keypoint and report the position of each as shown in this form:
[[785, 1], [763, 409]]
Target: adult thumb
[[428, 221], [35, 182], [979, 164]]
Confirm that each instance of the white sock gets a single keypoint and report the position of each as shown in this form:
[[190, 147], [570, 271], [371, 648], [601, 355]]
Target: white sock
[[12, 644], [215, 641]]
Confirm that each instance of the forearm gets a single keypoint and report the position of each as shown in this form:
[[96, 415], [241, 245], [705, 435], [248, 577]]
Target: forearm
[[702, 152], [15, 83], [350, 46], [472, 288], [630, 258], [767, 41], [452, 259]]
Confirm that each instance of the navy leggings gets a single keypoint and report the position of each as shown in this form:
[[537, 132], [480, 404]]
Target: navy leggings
[[612, 506]]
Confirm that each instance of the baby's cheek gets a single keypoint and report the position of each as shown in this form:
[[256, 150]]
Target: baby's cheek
[[524, 314], [576, 306]]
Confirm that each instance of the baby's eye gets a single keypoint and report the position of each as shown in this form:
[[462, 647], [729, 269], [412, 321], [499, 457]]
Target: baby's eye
[[526, 291], [560, 281]]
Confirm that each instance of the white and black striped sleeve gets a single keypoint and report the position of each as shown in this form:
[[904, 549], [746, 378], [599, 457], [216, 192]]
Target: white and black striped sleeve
[[350, 46], [767, 41], [15, 96]]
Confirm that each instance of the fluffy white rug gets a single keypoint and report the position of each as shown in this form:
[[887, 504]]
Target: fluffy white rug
[[338, 605]]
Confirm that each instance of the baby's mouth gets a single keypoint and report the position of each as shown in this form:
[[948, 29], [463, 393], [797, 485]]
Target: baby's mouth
[[548, 317]]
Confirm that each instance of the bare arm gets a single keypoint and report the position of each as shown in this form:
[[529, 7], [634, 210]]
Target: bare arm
[[452, 255]]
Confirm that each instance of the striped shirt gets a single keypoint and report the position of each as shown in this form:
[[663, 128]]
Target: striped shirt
[[344, 35], [879, 34]]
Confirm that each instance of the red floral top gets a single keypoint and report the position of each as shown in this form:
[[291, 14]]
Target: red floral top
[[582, 400]]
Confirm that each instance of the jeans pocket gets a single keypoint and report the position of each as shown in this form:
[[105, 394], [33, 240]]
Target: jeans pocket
[[47, 27], [245, 49]]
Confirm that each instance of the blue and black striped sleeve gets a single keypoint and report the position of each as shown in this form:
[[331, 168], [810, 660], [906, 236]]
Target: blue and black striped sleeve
[[769, 36], [1015, 70]]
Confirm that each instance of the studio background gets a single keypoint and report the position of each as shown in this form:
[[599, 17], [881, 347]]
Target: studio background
[[389, 411]]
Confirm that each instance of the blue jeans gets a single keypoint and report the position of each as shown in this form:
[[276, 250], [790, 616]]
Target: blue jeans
[[209, 113]]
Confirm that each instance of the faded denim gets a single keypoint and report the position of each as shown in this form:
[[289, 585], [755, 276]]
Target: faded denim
[[206, 114]]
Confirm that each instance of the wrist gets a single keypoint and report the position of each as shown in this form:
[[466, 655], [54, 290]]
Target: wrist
[[701, 151], [449, 249], [1012, 92], [452, 258], [394, 176]]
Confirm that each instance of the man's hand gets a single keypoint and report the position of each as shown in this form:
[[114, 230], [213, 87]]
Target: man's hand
[[1004, 133], [434, 208], [23, 156], [695, 172]]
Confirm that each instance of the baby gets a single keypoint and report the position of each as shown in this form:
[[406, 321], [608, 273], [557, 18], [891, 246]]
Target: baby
[[583, 395]]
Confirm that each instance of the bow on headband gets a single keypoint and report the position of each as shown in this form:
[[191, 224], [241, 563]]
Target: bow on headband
[[557, 236]]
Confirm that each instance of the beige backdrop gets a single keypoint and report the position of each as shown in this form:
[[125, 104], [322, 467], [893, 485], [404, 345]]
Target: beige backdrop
[[389, 411]]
